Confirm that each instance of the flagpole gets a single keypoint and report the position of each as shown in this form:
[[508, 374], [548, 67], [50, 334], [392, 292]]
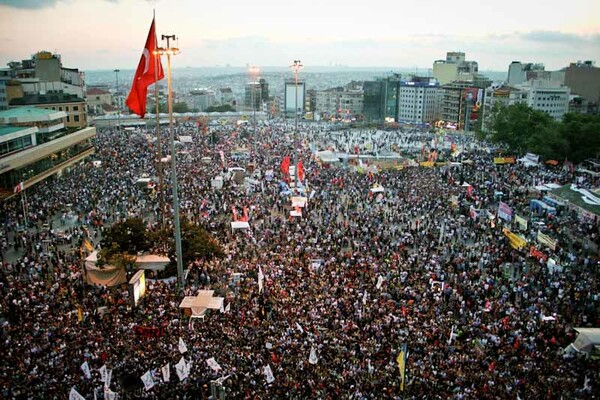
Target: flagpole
[[24, 201], [172, 50], [161, 195]]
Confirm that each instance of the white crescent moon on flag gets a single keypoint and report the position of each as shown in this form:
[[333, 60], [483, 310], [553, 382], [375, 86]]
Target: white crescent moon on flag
[[146, 55]]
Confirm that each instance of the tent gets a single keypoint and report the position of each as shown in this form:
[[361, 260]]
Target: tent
[[377, 189], [152, 261], [298, 201], [107, 275], [239, 225], [587, 341]]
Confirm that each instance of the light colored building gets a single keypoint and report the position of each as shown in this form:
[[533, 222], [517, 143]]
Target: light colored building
[[96, 99], [253, 93], [454, 68], [520, 73], [584, 80], [294, 95], [225, 96], [339, 101], [36, 144], [203, 98], [74, 106], [419, 101]]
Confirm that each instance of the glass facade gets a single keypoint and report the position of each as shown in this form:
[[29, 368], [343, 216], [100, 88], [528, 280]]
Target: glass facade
[[381, 99]]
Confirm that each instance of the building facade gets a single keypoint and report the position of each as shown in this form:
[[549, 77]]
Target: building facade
[[339, 102], [294, 97], [454, 68], [419, 101], [203, 98], [381, 99], [583, 78], [35, 144], [74, 106]]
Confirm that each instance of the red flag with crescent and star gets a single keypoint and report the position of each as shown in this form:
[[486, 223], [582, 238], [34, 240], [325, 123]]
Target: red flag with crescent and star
[[149, 71]]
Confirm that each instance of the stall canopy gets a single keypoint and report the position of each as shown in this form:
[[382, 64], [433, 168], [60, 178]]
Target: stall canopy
[[239, 225], [152, 261], [107, 275], [587, 341]]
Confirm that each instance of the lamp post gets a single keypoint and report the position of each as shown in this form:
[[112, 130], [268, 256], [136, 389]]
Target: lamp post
[[117, 98], [253, 75], [169, 51], [296, 67]]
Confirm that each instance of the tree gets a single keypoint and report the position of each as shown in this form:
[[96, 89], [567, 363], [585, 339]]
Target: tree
[[196, 243], [220, 108], [581, 133], [181, 107], [122, 241]]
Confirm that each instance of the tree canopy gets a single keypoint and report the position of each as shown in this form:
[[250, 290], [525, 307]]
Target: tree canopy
[[220, 108], [523, 129]]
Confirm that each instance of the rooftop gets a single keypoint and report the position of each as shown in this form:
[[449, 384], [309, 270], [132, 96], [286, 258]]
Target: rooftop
[[96, 91], [567, 193], [46, 99], [7, 130], [29, 114]]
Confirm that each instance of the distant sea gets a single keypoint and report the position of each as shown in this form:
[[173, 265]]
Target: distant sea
[[185, 79]]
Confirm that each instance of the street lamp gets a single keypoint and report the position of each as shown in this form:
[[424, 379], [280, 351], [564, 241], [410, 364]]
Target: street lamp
[[254, 71], [169, 51], [296, 67], [117, 98]]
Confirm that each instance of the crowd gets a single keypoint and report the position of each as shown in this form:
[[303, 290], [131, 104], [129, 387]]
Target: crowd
[[353, 279]]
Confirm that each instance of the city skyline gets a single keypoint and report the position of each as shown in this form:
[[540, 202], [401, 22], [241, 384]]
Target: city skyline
[[272, 33]]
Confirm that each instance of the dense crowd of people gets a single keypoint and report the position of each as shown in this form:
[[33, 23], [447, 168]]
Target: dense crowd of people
[[422, 262]]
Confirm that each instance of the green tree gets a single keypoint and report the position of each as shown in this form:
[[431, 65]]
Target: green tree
[[220, 108], [181, 107], [196, 243], [581, 133], [122, 241]]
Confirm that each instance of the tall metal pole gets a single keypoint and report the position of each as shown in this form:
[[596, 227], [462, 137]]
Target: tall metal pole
[[253, 75], [296, 67], [176, 225], [161, 185], [117, 97]]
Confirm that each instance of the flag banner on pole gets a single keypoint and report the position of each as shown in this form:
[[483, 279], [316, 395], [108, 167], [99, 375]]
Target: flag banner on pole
[[268, 374], [213, 364], [109, 395], [86, 370], [285, 165], [379, 282], [182, 346], [103, 373], [312, 358], [166, 372], [228, 308], [181, 369], [74, 395], [148, 381], [108, 379], [145, 74], [402, 364], [261, 279], [300, 168], [20, 186]]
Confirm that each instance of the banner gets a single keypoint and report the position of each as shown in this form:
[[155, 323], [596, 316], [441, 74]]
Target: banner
[[181, 369], [74, 395], [148, 331], [103, 373], [504, 212], [516, 241], [535, 253], [261, 279], [166, 372], [546, 240], [148, 381], [213, 364], [379, 282], [312, 358], [182, 346], [268, 374], [402, 365], [504, 160], [522, 222], [86, 370]]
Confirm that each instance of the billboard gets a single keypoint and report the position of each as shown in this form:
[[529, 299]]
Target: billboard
[[290, 96], [138, 286]]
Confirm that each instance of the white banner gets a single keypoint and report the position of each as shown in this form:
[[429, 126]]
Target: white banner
[[166, 372], [312, 358], [108, 379], [109, 395], [74, 395], [261, 279], [182, 346], [181, 369], [268, 374], [103, 373], [213, 364], [379, 282], [148, 381], [86, 370]]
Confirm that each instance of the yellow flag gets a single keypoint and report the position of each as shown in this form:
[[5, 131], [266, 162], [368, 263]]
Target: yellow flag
[[402, 364], [79, 314], [88, 245]]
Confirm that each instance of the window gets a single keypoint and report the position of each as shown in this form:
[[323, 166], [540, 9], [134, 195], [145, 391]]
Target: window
[[76, 118], [68, 119], [75, 108]]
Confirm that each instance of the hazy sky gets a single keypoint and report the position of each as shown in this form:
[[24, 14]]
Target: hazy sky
[[108, 34]]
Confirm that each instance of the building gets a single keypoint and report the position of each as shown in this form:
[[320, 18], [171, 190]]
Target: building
[[3, 98], [542, 95], [583, 78], [453, 103], [339, 102], [519, 73], [225, 96], [454, 68], [74, 106], [253, 94], [381, 99], [96, 99], [294, 96], [418, 101], [203, 98], [264, 90], [36, 144]]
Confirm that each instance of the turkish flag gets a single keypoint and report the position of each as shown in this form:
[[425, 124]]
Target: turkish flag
[[300, 171], [149, 71], [285, 165]]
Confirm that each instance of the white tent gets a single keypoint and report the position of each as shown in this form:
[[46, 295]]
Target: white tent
[[378, 189], [295, 213], [298, 201], [587, 340], [152, 261], [239, 225]]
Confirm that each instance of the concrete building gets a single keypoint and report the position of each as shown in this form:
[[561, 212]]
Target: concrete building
[[253, 93], [419, 101], [225, 96], [36, 144], [454, 68], [96, 99], [520, 73], [583, 78], [74, 106], [294, 95], [3, 98], [339, 102], [203, 98]]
